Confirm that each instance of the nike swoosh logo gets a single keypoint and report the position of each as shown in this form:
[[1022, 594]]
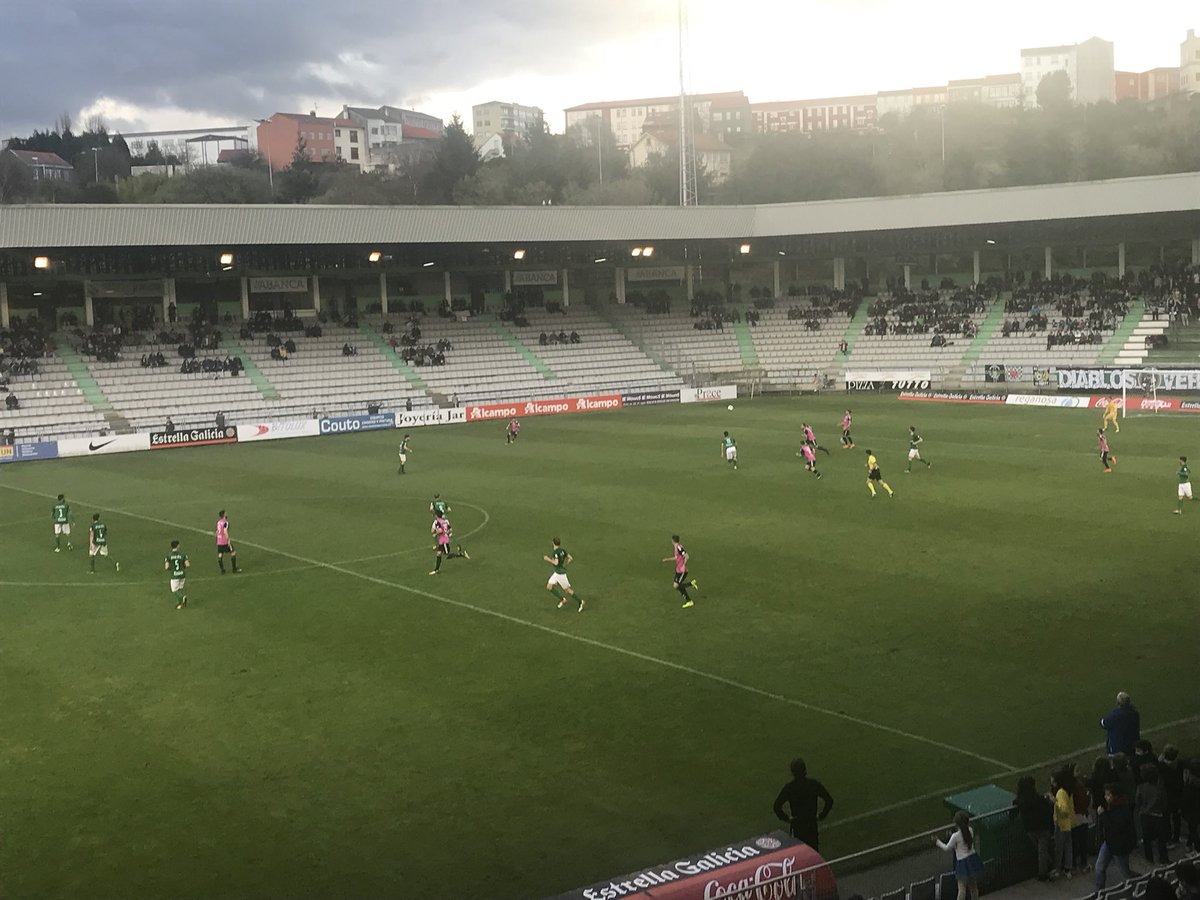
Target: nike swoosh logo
[[93, 446]]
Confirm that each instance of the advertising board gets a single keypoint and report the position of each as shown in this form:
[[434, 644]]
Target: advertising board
[[351, 424], [489, 411], [274, 431], [112, 443], [192, 437], [29, 451], [431, 415], [708, 394]]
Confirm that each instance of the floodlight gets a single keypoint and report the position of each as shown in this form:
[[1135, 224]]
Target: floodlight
[[41, 262], [744, 249], [225, 259], [518, 254], [374, 256]]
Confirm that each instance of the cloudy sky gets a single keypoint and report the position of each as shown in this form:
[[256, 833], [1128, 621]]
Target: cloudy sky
[[197, 63]]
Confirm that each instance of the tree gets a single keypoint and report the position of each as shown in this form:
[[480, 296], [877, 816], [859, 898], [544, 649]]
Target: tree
[[1054, 91], [455, 160], [215, 184], [16, 183]]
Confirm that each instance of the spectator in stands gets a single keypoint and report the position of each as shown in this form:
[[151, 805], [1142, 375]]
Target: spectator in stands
[[349, 349], [1159, 888], [1170, 769], [1037, 818], [800, 796], [574, 337], [1081, 832], [11, 402], [408, 404], [169, 427], [172, 313], [289, 345], [1123, 725], [542, 339], [220, 419], [1064, 824], [1151, 807], [843, 348], [1189, 803], [968, 865], [1117, 833]]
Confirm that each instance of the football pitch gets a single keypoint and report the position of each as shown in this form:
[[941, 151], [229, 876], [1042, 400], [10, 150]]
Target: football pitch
[[335, 722]]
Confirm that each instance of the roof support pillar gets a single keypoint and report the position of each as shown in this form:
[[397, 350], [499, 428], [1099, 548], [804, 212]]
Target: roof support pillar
[[446, 283], [168, 297], [907, 276], [1121, 259], [507, 280], [1049, 255], [1196, 251], [620, 284], [775, 292], [691, 283], [566, 301], [383, 304], [316, 292], [245, 298], [89, 311], [839, 273], [3, 305], [975, 267]]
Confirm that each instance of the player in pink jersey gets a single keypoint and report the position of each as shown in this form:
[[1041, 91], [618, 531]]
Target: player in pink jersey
[[810, 459], [811, 439], [514, 429], [223, 545], [847, 440], [443, 530], [1105, 457], [682, 581]]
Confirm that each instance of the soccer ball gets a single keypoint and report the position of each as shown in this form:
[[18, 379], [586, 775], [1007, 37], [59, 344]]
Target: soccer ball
[[730, 407]]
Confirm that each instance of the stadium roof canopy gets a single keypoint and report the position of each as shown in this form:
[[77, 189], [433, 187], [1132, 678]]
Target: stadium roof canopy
[[63, 226]]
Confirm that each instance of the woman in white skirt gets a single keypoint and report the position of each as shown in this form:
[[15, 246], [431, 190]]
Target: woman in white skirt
[[967, 864]]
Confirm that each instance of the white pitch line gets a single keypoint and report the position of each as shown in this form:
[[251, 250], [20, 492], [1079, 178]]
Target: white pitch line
[[1046, 763], [25, 522], [612, 648]]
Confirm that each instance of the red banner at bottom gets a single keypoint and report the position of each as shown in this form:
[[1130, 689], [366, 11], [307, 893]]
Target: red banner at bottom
[[1147, 404]]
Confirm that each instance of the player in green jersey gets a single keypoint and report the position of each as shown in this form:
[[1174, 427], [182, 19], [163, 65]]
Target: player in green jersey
[[729, 450], [62, 523], [177, 563], [559, 558], [914, 451], [403, 455], [1185, 485], [98, 543], [438, 506]]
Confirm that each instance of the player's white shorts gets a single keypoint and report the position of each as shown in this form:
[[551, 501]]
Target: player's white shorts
[[1185, 491], [98, 550], [731, 452], [177, 584], [403, 458], [914, 453], [559, 578], [62, 527]]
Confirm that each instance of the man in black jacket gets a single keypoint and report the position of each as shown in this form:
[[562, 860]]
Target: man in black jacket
[[801, 795], [1117, 832]]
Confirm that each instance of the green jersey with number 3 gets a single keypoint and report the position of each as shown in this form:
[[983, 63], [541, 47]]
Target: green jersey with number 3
[[62, 513]]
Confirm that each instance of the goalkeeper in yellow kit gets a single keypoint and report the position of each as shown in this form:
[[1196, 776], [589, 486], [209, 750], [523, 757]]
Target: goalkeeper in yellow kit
[[1110, 415]]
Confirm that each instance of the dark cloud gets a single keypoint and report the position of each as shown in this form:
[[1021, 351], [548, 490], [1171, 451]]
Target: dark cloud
[[240, 59]]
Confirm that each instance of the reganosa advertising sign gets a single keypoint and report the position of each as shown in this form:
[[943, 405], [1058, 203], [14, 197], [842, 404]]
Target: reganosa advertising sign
[[772, 866], [1167, 380]]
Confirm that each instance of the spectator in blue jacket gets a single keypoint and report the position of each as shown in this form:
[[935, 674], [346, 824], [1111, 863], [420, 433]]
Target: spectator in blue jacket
[[1124, 726]]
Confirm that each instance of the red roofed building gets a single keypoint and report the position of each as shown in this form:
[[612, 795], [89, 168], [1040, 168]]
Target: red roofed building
[[626, 119], [325, 140], [44, 166], [808, 116]]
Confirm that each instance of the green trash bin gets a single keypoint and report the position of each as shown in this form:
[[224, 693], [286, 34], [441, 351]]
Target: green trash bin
[[1007, 854]]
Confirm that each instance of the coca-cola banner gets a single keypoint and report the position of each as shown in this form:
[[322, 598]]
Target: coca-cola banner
[[1147, 404], [521, 408], [774, 865]]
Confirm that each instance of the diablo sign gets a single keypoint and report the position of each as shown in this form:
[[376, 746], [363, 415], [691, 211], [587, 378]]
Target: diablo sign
[[489, 411], [774, 866], [1116, 379]]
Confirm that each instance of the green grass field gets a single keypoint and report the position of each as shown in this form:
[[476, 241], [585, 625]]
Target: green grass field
[[334, 722]]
